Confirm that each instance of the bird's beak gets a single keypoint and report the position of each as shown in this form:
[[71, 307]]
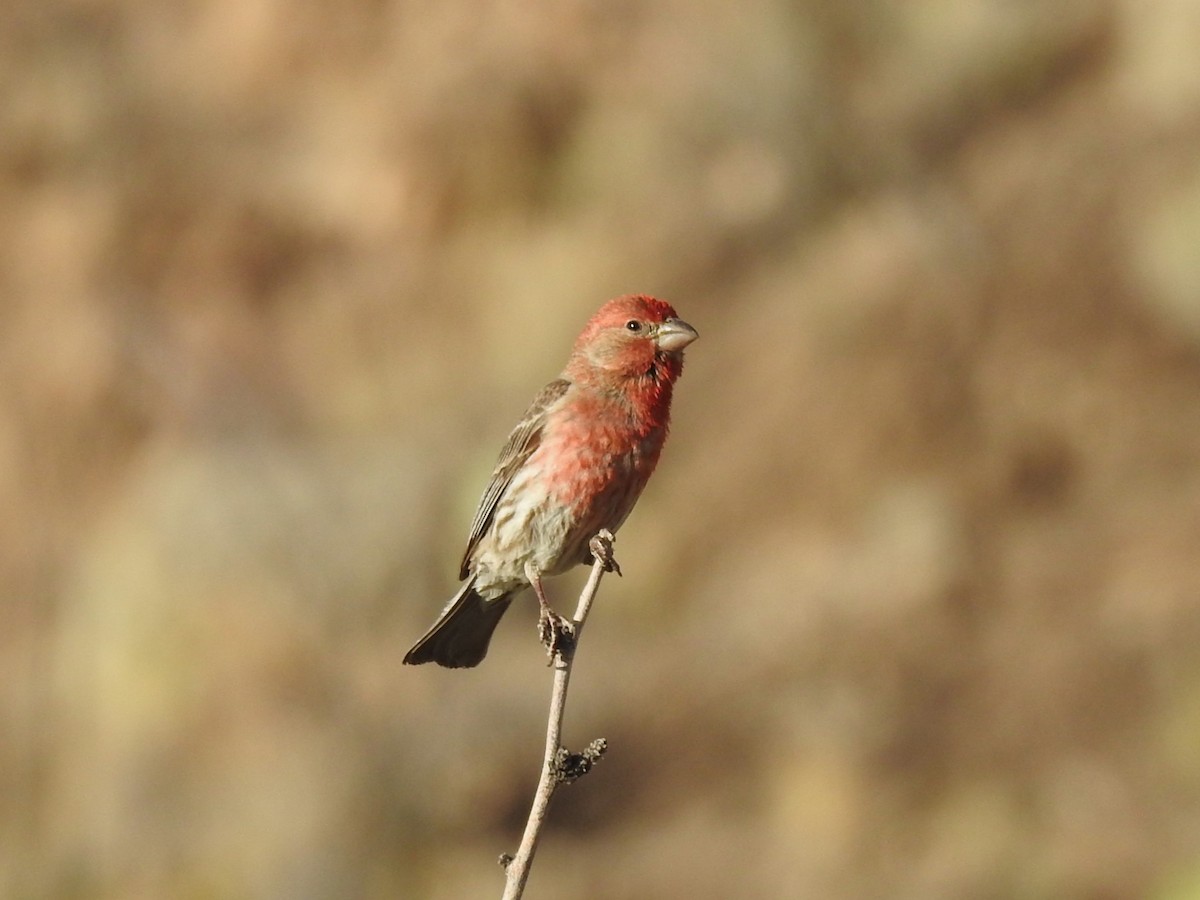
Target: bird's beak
[[674, 334]]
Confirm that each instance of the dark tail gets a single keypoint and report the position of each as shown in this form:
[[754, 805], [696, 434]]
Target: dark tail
[[460, 637]]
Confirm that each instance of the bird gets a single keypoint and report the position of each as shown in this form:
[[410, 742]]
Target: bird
[[574, 465]]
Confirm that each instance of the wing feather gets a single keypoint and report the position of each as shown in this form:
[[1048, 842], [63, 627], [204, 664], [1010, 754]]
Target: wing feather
[[521, 443]]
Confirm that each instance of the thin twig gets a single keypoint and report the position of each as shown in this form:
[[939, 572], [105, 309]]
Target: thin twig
[[555, 764]]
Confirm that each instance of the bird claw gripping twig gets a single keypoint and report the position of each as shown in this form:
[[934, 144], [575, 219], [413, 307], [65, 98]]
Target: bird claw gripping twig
[[601, 547], [557, 633]]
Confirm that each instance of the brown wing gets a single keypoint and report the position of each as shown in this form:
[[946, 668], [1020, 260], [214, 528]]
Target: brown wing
[[524, 439]]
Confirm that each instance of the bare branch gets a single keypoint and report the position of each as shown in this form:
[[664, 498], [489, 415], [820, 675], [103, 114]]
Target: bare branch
[[558, 765]]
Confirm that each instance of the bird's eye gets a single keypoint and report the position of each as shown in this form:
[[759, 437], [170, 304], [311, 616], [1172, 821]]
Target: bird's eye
[[633, 325]]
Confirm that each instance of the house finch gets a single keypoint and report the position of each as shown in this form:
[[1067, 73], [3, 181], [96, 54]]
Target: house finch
[[575, 464]]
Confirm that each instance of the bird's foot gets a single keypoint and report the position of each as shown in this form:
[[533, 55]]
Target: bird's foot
[[557, 633], [601, 547]]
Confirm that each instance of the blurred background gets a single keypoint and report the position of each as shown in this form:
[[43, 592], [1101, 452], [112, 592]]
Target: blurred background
[[911, 607]]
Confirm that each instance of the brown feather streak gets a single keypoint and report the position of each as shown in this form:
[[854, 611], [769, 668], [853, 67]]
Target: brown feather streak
[[521, 443]]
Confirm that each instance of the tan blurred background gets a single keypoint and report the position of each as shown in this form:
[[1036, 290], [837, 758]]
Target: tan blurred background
[[912, 608]]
